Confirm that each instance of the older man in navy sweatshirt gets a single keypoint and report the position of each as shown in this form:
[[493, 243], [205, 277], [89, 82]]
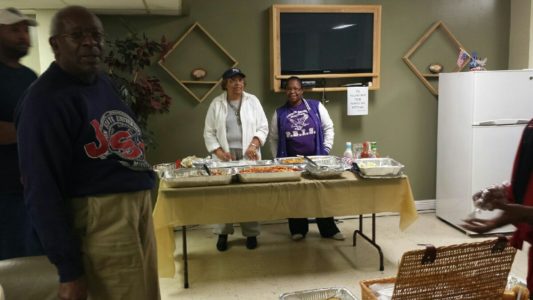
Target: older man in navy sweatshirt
[[86, 180]]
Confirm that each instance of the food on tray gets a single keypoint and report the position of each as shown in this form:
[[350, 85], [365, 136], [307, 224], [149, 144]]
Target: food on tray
[[187, 161], [325, 167], [163, 168], [185, 177], [379, 166], [272, 173], [216, 172], [267, 169], [293, 160], [182, 173], [368, 165]]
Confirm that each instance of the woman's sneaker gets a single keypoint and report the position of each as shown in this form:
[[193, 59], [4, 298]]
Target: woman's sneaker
[[338, 236], [297, 237]]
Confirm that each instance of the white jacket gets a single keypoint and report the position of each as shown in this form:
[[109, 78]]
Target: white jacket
[[254, 123]]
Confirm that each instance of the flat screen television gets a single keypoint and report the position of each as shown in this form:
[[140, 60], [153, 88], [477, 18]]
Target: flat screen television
[[324, 43], [337, 45]]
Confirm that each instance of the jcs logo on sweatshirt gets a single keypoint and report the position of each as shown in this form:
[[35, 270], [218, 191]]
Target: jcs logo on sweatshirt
[[117, 133]]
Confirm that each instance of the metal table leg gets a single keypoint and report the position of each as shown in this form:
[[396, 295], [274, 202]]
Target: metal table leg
[[185, 258], [371, 241]]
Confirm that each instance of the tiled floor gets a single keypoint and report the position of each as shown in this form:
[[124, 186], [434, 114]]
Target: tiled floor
[[280, 265]]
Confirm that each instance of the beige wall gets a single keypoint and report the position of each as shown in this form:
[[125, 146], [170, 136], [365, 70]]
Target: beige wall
[[40, 55], [402, 114], [520, 50], [32, 59]]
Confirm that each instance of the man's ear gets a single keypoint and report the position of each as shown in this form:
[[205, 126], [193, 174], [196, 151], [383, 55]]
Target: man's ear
[[53, 43]]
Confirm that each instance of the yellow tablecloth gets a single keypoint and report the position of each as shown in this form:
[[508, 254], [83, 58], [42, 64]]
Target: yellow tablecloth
[[348, 195]]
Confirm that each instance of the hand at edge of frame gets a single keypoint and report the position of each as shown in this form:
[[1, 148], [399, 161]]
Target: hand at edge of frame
[[73, 290]]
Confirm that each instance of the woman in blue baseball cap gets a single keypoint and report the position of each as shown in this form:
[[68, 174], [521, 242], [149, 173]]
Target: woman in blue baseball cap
[[235, 128]]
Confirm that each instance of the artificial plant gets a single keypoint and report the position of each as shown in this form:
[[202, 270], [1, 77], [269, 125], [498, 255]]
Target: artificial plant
[[143, 93]]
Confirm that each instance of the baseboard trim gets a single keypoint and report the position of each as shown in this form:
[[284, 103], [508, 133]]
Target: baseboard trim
[[425, 205]]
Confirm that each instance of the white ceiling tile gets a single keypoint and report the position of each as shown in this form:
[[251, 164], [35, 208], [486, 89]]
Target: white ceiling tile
[[34, 4], [172, 7], [108, 4]]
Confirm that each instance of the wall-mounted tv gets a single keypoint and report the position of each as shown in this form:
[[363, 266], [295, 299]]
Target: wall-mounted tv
[[315, 43], [326, 41]]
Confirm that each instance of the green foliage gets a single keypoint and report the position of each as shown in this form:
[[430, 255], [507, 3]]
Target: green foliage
[[143, 93]]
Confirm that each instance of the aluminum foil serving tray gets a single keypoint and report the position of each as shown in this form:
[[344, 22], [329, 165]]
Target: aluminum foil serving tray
[[319, 294], [239, 163], [379, 167], [269, 174], [325, 167], [196, 177]]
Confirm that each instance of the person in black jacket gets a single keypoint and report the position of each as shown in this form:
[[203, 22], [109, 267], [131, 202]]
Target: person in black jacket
[[86, 180], [515, 199], [16, 235]]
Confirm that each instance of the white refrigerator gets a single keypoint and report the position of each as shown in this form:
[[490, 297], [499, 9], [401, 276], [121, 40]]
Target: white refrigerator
[[481, 116]]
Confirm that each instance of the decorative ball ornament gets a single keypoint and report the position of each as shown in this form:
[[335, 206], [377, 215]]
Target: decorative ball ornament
[[435, 68], [198, 73]]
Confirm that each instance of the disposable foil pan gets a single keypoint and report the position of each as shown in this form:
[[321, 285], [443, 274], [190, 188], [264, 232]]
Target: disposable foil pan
[[379, 166], [326, 160], [291, 160], [325, 167], [319, 294], [239, 163], [197, 177], [163, 168], [324, 172], [262, 174]]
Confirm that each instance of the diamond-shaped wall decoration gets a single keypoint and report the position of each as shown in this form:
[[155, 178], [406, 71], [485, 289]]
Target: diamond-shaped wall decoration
[[180, 61], [420, 42]]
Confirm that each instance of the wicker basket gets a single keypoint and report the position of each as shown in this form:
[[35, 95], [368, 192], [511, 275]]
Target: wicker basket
[[466, 271]]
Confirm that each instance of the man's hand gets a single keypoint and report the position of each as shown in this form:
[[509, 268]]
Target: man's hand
[[512, 213], [492, 197], [73, 290], [480, 225]]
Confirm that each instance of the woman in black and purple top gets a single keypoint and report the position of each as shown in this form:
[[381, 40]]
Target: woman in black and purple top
[[303, 127]]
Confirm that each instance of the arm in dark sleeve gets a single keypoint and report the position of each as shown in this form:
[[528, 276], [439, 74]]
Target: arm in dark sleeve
[[45, 151], [7, 133]]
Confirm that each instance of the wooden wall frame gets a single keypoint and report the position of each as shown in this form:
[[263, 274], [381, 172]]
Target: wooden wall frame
[[424, 76], [184, 83], [275, 53]]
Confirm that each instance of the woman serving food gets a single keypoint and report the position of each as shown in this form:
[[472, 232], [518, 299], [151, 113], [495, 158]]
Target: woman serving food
[[235, 128], [303, 127]]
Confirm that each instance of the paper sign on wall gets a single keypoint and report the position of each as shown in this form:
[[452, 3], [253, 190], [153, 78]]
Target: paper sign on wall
[[357, 100]]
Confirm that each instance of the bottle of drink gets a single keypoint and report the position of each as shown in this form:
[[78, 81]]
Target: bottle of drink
[[374, 149], [357, 149], [366, 150], [348, 151]]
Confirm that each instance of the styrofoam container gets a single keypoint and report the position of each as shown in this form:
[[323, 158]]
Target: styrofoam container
[[379, 166]]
